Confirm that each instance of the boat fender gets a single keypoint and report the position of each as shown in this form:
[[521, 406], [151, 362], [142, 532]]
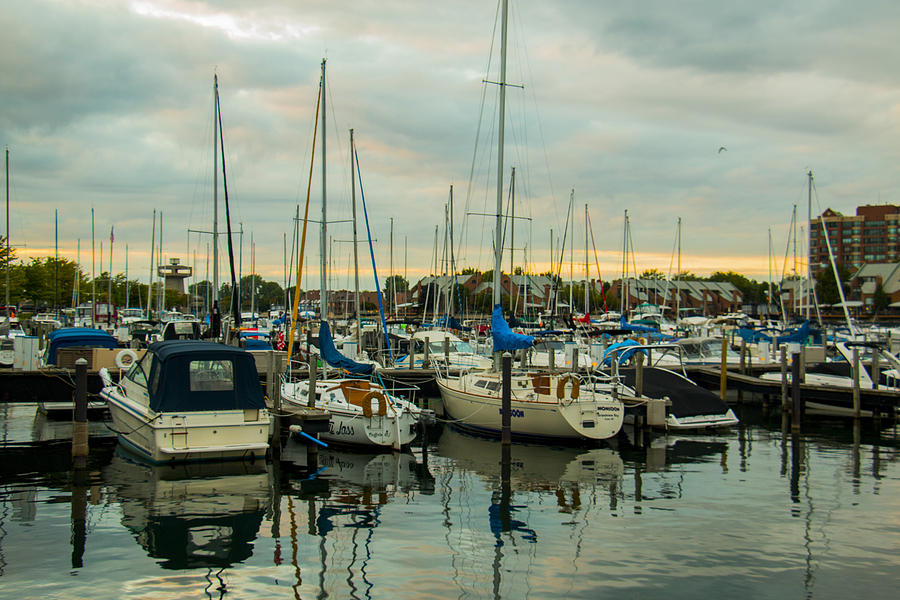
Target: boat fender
[[561, 387], [366, 403], [125, 358]]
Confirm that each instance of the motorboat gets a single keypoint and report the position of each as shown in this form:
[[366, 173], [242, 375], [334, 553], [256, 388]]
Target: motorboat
[[190, 400], [73, 337], [445, 349], [688, 406]]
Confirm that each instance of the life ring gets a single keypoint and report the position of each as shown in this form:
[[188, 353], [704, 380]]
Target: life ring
[[125, 358], [561, 387], [366, 403]]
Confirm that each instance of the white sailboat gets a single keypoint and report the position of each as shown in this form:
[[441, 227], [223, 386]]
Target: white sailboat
[[544, 405], [362, 411]]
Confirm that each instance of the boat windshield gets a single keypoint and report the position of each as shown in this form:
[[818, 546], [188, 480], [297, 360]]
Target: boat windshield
[[547, 345], [455, 346]]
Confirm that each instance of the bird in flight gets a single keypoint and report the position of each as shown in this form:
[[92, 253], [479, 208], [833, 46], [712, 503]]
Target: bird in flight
[[722, 148]]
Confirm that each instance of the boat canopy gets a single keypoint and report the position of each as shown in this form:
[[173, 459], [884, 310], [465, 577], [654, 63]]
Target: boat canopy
[[504, 338], [69, 337], [190, 375], [335, 358]]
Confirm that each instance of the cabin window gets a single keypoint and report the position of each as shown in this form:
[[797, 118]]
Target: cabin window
[[211, 375], [493, 385], [481, 383], [136, 374]]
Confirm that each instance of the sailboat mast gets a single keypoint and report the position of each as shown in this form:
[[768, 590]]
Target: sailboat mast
[[355, 251], [150, 277], [498, 249], [677, 275], [809, 272], [587, 274], [215, 236], [623, 301], [393, 279], [93, 271], [7, 236], [323, 301], [56, 261], [512, 235], [572, 253]]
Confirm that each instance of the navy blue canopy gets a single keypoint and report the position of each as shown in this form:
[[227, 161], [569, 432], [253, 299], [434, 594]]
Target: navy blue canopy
[[335, 358], [504, 338], [189, 375], [77, 336]]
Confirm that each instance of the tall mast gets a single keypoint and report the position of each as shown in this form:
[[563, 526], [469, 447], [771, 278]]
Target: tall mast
[[498, 249], [587, 273], [512, 235], [109, 299], [809, 272], [452, 255], [794, 221], [127, 290], [7, 237], [572, 253], [392, 303], [623, 301], [215, 235], [323, 302], [769, 298], [677, 275], [150, 278], [355, 251], [93, 273], [56, 260]]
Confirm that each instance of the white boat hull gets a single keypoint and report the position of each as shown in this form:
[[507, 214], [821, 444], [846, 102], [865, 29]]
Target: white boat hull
[[188, 436], [348, 424], [595, 416]]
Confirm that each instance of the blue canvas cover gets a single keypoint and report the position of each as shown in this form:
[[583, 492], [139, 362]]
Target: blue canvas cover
[[504, 338], [335, 358], [624, 351], [170, 382], [69, 337]]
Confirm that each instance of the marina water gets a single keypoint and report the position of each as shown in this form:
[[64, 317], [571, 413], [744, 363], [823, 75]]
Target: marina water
[[753, 512]]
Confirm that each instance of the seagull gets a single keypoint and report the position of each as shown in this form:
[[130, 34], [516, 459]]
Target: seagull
[[722, 148]]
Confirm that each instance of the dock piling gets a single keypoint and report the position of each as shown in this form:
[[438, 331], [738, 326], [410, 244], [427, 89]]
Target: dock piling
[[723, 374], [854, 370], [80, 447], [425, 360], [313, 372], [639, 374], [797, 416], [552, 360], [506, 400], [784, 379]]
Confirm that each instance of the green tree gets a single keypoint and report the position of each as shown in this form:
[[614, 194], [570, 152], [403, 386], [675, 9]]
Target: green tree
[[880, 299], [826, 286], [653, 274]]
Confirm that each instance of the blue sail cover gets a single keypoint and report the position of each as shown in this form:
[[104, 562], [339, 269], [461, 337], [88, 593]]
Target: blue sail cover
[[504, 338], [335, 358], [69, 337]]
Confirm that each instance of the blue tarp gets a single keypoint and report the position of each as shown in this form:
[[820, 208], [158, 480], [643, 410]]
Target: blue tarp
[[335, 358], [77, 336], [256, 344], [624, 352], [794, 336], [640, 328], [504, 338]]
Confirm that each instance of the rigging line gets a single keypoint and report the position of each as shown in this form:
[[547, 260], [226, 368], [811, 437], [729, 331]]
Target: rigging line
[[235, 301], [299, 278], [362, 197], [787, 251]]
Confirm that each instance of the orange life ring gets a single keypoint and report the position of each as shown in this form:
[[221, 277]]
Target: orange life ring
[[561, 387]]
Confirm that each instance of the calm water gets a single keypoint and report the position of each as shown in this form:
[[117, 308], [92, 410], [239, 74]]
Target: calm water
[[752, 513]]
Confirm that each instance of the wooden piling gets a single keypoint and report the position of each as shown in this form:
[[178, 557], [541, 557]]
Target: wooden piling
[[425, 360], [723, 372], [447, 351], [412, 354], [506, 399], [639, 374], [80, 448], [854, 372], [743, 356], [313, 372], [552, 360], [797, 415], [876, 368], [784, 379]]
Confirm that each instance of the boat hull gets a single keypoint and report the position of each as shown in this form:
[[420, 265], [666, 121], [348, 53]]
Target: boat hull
[[188, 436], [595, 417]]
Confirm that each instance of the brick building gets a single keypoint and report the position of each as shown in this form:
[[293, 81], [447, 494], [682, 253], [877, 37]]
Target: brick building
[[872, 235]]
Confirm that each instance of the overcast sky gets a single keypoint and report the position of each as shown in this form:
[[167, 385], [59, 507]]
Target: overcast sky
[[108, 104]]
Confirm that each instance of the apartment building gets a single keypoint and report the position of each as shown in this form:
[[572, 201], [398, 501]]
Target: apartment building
[[872, 235]]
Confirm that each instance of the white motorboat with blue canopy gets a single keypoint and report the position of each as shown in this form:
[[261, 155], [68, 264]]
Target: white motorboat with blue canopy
[[190, 400]]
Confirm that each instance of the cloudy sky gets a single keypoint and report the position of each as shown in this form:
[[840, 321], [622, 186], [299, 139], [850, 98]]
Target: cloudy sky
[[108, 104]]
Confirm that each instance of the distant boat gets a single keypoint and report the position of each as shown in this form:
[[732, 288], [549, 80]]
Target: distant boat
[[189, 400]]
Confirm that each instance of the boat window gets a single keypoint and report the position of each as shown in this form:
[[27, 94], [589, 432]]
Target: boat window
[[463, 347], [211, 375], [493, 385], [136, 374], [481, 383]]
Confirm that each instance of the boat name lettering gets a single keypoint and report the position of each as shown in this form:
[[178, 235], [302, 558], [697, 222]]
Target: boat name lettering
[[341, 430], [514, 412], [614, 409]]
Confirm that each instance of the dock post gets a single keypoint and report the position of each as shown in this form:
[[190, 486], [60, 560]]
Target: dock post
[[743, 356], [447, 351], [425, 354], [854, 370], [639, 374], [802, 364], [552, 360], [784, 380], [876, 368], [723, 372], [80, 447], [275, 396], [614, 371], [313, 372], [412, 354], [796, 419], [506, 400]]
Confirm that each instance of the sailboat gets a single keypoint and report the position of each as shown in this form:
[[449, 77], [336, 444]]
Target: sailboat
[[544, 405], [363, 411]]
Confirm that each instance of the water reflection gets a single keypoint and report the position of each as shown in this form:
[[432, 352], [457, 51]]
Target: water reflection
[[193, 515]]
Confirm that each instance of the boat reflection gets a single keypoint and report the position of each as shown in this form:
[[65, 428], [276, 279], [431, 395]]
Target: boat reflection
[[532, 466], [191, 515]]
